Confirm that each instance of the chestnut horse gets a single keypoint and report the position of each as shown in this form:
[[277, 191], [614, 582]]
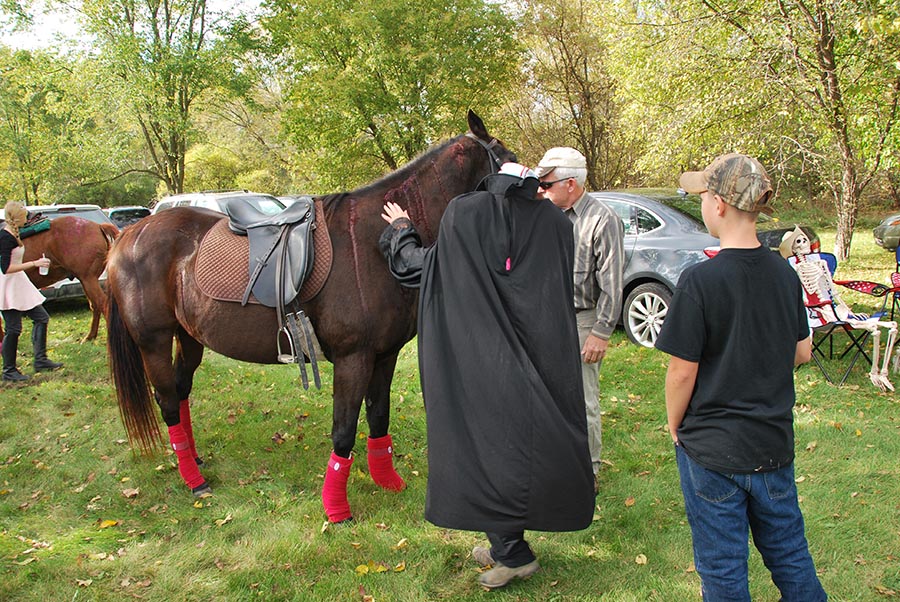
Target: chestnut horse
[[77, 248], [362, 316]]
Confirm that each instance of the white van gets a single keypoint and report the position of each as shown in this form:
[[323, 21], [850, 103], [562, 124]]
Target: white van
[[216, 200]]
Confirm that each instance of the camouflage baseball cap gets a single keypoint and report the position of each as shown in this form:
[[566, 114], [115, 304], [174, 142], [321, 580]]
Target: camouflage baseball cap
[[740, 180]]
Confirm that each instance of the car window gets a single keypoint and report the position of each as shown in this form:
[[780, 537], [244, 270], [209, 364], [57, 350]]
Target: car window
[[624, 211], [646, 221], [95, 215], [126, 215]]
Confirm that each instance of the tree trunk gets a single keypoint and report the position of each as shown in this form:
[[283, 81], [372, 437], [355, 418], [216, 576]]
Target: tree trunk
[[847, 205]]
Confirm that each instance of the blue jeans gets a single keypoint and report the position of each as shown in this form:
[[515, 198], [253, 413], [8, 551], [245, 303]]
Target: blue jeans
[[722, 508]]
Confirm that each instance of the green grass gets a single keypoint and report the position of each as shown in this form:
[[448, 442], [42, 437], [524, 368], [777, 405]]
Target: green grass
[[64, 464]]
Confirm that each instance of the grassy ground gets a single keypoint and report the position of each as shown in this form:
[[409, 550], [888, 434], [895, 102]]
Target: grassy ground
[[83, 518]]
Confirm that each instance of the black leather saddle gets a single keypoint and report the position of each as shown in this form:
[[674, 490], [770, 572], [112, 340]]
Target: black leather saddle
[[282, 254], [281, 249]]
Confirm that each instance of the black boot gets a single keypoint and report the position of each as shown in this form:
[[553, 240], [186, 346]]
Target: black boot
[[39, 341], [10, 346]]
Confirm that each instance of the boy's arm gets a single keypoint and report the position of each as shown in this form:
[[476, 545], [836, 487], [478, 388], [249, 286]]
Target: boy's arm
[[680, 379], [804, 351]]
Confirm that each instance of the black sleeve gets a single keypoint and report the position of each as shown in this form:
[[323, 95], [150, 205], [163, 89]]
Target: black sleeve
[[7, 244], [401, 245]]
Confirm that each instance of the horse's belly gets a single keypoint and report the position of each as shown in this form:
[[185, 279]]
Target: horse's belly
[[247, 333]]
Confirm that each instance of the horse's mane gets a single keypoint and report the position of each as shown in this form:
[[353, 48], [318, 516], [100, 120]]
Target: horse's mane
[[388, 180]]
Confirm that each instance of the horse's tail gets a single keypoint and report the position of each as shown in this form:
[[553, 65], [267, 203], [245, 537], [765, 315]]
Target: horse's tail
[[126, 367], [110, 233]]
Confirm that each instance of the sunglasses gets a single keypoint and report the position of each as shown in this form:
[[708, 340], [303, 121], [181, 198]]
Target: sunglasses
[[547, 185]]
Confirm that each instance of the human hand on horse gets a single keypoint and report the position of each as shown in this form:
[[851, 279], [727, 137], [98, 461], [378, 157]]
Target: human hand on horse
[[393, 211]]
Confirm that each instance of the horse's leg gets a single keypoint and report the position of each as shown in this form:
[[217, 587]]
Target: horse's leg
[[163, 376], [188, 354], [351, 375], [380, 446], [97, 300]]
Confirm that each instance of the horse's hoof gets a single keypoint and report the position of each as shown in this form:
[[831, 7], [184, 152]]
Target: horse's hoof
[[202, 491], [346, 521], [199, 463]]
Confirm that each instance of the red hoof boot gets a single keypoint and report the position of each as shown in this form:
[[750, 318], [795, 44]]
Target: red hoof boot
[[381, 464], [187, 465], [334, 491]]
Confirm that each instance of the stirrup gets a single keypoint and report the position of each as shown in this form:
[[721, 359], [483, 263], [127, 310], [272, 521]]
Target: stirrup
[[291, 330], [286, 358]]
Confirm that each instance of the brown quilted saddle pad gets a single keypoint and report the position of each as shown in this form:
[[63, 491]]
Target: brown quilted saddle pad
[[222, 269]]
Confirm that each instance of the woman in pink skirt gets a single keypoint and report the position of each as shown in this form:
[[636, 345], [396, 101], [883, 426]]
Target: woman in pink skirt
[[18, 297]]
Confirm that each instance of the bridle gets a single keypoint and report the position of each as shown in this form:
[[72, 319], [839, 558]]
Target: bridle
[[489, 147]]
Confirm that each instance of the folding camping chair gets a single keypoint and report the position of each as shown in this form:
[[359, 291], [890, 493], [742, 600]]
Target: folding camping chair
[[829, 316]]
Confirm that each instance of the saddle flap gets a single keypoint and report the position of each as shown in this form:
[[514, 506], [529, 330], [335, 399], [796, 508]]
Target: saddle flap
[[284, 241]]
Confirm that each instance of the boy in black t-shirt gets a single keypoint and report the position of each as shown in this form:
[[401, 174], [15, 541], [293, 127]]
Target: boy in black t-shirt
[[735, 330]]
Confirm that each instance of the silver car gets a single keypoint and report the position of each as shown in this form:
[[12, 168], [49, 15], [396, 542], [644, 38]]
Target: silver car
[[664, 235]]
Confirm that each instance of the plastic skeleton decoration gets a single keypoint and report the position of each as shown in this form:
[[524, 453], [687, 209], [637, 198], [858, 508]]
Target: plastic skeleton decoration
[[825, 305]]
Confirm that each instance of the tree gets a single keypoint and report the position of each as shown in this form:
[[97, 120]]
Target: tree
[[571, 98], [163, 56], [373, 84], [812, 83]]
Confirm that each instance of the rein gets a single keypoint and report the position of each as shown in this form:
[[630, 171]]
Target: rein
[[489, 147]]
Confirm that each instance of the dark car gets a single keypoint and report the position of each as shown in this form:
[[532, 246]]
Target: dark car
[[68, 288], [887, 233], [125, 216], [664, 234]]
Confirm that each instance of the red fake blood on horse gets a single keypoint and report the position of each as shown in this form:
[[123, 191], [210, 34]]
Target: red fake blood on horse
[[354, 245]]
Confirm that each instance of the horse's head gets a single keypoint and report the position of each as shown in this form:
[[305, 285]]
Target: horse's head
[[497, 153]]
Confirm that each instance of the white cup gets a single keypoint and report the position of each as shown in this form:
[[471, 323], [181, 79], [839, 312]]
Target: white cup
[[43, 270]]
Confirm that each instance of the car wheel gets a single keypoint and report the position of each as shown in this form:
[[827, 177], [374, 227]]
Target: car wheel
[[645, 309]]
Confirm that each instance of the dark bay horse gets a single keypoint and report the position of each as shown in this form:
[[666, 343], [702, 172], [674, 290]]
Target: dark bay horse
[[77, 248], [362, 316]]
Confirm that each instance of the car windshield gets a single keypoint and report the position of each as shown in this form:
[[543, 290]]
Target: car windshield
[[94, 215], [690, 205], [129, 214]]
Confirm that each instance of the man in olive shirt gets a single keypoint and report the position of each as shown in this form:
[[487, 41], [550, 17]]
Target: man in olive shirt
[[599, 263]]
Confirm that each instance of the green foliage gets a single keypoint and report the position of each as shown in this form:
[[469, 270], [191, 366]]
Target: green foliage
[[161, 59], [372, 85]]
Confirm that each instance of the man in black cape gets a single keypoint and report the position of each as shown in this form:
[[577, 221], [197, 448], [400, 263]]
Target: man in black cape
[[500, 368]]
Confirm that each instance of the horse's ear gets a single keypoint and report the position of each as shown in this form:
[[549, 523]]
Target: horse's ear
[[476, 126]]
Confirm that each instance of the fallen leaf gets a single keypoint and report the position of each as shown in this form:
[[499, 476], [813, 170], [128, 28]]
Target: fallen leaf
[[811, 446], [131, 493], [355, 545], [629, 501], [26, 561], [640, 559], [84, 582], [362, 569], [105, 524], [198, 504], [223, 521], [278, 438], [401, 566], [401, 544]]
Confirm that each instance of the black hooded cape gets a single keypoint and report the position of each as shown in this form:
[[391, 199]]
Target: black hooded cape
[[499, 361]]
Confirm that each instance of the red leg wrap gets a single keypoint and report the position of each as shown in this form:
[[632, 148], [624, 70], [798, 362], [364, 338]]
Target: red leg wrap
[[381, 464], [334, 491], [187, 465], [185, 412]]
